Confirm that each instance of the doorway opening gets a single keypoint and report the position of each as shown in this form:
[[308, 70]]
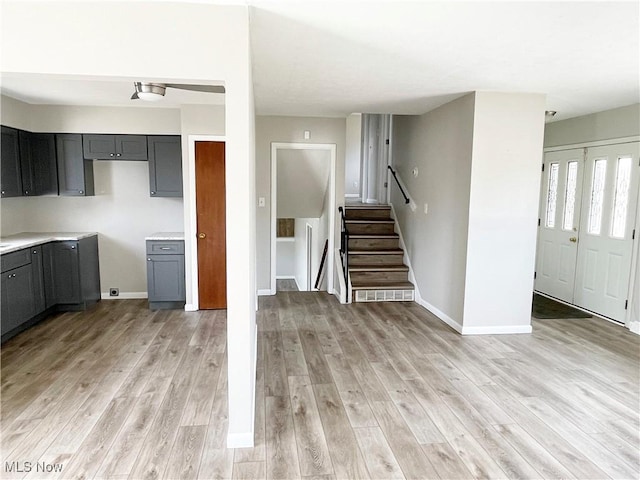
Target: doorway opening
[[303, 192]]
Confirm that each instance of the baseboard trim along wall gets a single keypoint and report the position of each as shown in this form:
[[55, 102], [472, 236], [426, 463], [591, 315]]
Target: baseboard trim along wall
[[497, 330], [240, 440], [264, 291], [190, 307], [124, 296], [441, 315]]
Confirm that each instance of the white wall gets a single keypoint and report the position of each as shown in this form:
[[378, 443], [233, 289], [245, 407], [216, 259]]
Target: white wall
[[208, 43], [122, 211], [439, 144], [352, 155], [289, 130], [285, 258], [473, 253], [14, 113], [616, 123], [503, 211]]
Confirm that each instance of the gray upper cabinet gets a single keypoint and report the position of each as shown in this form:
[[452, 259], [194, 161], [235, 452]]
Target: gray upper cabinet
[[10, 174], [165, 165], [75, 174], [38, 163], [115, 147]]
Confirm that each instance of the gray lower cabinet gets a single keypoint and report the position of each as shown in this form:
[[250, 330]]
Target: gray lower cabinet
[[165, 274], [56, 276], [165, 165], [71, 273], [75, 174]]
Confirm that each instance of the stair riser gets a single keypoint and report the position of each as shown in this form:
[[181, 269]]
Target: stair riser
[[366, 213], [373, 243], [370, 228], [375, 260], [379, 277]]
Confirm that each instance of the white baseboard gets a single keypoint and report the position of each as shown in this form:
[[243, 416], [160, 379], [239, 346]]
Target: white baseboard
[[497, 330], [285, 277], [265, 291], [440, 314], [240, 440], [190, 307], [124, 296], [634, 327]]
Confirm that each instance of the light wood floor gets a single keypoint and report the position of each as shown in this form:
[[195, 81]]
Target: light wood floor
[[345, 392]]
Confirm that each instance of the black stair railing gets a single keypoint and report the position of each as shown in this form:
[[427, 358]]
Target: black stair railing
[[344, 250], [406, 199]]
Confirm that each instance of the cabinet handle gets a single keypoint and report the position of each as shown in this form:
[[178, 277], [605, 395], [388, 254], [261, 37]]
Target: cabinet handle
[[73, 247], [118, 154], [3, 192], [152, 193], [35, 252], [80, 191], [165, 248], [148, 259], [26, 192], [111, 154]]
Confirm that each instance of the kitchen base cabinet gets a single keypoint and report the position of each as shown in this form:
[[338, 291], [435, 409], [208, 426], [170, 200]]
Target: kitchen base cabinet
[[165, 274], [71, 274], [55, 277]]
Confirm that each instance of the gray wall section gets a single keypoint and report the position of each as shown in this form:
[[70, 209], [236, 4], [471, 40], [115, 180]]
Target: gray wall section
[[616, 123], [439, 144], [289, 130]]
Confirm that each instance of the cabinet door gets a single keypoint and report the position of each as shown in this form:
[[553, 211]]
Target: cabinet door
[[75, 174], [38, 160], [131, 147], [165, 166], [10, 176], [61, 273], [99, 147], [38, 279], [17, 297], [165, 278]]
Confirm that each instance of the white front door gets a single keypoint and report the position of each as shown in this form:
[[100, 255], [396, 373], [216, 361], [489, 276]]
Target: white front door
[[607, 224], [559, 223]]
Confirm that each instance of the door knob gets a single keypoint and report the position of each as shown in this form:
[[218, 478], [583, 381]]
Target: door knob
[[573, 239], [202, 235]]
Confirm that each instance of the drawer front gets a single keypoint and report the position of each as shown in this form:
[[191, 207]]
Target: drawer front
[[161, 247], [15, 259]]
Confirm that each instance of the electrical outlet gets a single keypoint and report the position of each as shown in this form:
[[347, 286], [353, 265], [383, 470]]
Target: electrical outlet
[[114, 292], [261, 202], [426, 208]]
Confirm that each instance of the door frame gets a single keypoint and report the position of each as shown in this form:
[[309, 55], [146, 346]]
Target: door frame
[[191, 217], [331, 148]]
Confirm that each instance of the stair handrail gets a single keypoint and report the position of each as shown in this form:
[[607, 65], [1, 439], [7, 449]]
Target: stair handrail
[[393, 172], [320, 270], [344, 249]]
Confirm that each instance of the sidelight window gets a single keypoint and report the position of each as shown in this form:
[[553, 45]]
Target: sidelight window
[[621, 198], [597, 196], [552, 195], [570, 196]]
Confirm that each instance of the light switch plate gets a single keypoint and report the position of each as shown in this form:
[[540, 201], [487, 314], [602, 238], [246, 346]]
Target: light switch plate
[[261, 202]]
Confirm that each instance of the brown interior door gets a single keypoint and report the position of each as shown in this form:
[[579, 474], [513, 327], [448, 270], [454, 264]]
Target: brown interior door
[[210, 207]]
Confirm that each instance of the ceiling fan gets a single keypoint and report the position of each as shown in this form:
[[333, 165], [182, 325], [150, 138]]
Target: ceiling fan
[[155, 91]]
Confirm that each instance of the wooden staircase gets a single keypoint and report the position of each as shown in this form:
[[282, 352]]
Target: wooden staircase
[[376, 266]]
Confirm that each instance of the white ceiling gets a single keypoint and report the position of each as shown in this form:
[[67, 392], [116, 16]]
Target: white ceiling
[[336, 58]]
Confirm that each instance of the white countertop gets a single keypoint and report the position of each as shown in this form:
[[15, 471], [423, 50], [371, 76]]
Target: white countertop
[[19, 241], [166, 236]]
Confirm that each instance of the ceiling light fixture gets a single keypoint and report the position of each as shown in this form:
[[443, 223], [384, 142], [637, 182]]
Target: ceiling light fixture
[[550, 113], [151, 92]]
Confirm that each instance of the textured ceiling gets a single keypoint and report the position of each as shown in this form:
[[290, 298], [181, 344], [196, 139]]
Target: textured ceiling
[[336, 58]]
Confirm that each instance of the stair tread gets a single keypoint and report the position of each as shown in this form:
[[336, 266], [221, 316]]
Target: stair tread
[[373, 235], [369, 220], [379, 267], [371, 206], [390, 251], [370, 285]]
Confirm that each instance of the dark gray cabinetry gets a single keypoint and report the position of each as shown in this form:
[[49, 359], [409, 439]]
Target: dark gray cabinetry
[[165, 274], [10, 175], [38, 163], [71, 274], [165, 166], [17, 290], [37, 270], [75, 174], [115, 147]]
